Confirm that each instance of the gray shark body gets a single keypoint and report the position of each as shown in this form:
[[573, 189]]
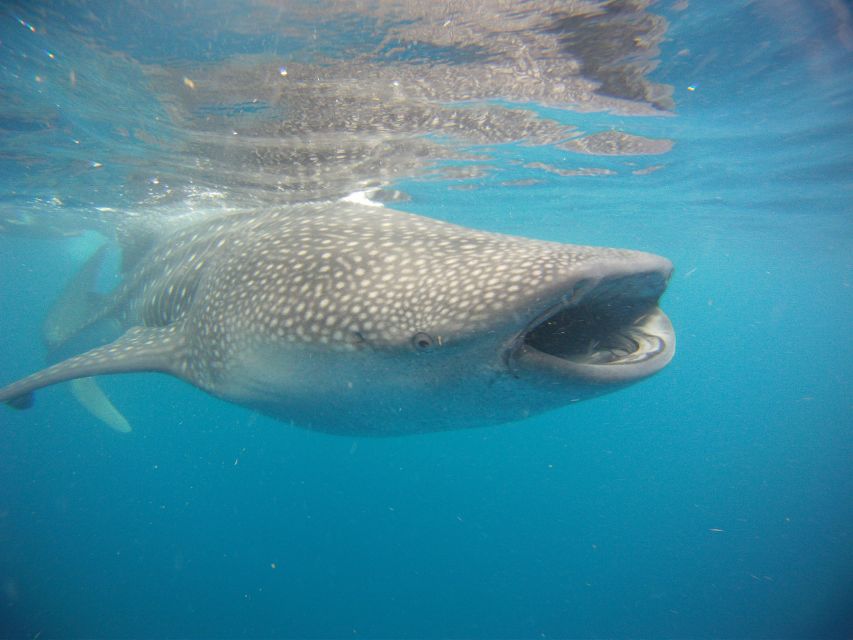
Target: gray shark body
[[356, 319]]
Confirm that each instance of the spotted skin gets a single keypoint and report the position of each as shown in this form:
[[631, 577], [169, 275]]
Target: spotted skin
[[346, 317]]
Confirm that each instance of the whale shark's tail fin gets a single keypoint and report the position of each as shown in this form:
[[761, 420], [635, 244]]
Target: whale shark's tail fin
[[77, 308]]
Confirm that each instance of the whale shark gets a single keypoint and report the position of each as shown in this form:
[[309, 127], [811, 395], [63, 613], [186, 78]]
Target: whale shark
[[357, 319]]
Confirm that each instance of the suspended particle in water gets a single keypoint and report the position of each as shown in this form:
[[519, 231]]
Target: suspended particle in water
[[26, 24]]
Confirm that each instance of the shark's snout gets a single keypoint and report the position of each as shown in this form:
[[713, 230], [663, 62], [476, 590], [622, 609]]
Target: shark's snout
[[605, 328]]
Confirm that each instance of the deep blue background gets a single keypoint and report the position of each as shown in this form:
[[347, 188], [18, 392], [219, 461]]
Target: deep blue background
[[711, 500]]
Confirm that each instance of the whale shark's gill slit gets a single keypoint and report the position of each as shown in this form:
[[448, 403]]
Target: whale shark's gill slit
[[613, 323]]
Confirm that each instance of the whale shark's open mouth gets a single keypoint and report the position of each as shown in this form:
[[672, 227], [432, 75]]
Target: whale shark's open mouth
[[608, 331]]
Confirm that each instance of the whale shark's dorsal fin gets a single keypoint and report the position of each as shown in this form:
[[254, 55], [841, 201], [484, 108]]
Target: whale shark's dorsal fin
[[140, 349]]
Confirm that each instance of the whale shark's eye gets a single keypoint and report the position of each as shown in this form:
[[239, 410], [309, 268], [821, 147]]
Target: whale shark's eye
[[422, 341], [356, 340]]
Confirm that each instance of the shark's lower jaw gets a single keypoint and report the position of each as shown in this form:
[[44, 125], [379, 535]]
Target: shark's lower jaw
[[610, 331]]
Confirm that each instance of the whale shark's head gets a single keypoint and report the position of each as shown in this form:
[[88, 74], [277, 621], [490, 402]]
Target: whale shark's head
[[382, 322]]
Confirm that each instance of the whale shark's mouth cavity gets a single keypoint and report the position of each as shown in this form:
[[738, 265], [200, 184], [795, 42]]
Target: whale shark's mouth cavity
[[608, 331]]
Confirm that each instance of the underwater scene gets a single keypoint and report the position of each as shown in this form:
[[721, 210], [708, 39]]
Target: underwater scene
[[406, 319]]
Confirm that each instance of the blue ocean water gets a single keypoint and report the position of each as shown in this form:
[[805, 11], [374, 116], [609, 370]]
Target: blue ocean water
[[712, 500]]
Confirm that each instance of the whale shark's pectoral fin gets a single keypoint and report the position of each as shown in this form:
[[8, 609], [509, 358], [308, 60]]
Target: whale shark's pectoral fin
[[140, 349], [96, 402]]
